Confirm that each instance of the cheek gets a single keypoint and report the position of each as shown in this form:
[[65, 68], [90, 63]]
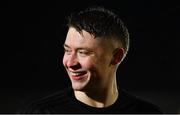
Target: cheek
[[87, 63], [102, 65]]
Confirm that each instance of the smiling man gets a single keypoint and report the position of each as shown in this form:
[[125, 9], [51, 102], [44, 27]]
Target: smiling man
[[91, 65], [97, 41]]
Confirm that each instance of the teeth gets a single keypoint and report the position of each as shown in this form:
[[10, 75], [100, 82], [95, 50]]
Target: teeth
[[75, 74]]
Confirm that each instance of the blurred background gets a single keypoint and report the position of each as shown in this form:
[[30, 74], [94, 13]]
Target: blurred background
[[35, 32]]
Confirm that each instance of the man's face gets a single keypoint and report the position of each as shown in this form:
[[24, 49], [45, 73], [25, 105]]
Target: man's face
[[87, 61]]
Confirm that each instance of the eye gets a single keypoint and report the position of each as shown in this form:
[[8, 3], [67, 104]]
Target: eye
[[84, 52], [67, 51]]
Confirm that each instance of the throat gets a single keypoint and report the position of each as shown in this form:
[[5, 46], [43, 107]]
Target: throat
[[98, 100]]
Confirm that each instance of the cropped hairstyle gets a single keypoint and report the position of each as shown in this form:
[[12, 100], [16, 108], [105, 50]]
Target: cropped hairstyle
[[100, 22]]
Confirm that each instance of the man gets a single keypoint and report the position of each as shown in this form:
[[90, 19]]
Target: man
[[96, 43]]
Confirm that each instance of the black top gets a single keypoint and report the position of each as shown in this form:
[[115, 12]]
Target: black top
[[65, 102]]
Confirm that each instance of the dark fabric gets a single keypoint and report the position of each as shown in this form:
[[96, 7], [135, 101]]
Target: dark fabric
[[65, 102]]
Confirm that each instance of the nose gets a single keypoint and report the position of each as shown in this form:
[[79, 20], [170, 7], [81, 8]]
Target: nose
[[72, 62]]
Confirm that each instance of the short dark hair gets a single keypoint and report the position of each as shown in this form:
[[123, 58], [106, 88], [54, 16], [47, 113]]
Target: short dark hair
[[100, 22]]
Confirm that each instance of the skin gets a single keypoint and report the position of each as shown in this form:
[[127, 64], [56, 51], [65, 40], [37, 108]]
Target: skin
[[91, 64]]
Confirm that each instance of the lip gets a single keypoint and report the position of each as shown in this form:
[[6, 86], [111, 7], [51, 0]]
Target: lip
[[78, 75]]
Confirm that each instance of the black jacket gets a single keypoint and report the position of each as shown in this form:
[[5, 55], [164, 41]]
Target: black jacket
[[65, 102]]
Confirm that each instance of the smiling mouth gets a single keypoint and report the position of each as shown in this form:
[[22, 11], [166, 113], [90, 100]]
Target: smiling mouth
[[77, 75]]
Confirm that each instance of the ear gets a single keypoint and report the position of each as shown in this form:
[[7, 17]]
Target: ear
[[117, 56]]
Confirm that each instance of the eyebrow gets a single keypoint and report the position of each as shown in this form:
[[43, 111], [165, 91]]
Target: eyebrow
[[80, 48], [65, 45]]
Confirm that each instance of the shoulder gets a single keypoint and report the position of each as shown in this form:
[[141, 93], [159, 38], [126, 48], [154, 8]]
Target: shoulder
[[45, 104], [134, 104]]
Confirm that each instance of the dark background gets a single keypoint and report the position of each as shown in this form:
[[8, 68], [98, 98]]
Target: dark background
[[32, 50]]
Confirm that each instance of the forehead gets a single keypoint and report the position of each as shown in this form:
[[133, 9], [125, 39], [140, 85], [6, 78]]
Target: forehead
[[84, 39], [73, 35]]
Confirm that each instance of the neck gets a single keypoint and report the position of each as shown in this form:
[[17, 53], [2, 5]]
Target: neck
[[99, 97]]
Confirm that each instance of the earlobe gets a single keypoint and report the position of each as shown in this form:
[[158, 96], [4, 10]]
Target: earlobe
[[117, 56]]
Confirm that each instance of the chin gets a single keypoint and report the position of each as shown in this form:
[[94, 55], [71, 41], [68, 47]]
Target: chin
[[77, 87], [80, 85]]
